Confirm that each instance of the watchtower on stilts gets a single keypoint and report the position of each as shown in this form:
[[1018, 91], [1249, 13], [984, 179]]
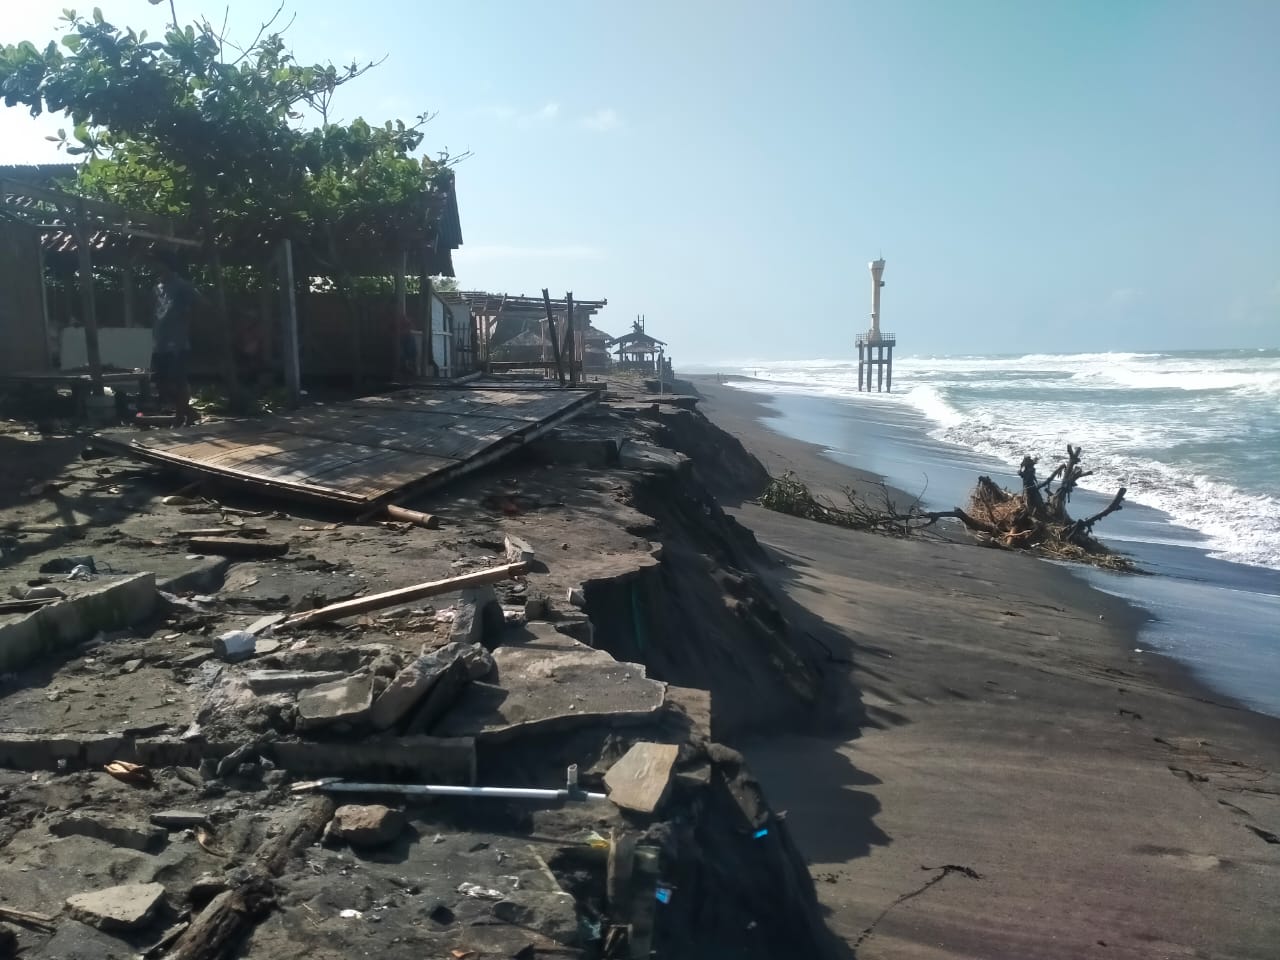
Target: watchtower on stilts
[[875, 349]]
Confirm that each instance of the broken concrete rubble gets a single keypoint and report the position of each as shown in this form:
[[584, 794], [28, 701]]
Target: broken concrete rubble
[[107, 604], [343, 701], [275, 681], [126, 907], [549, 681], [477, 616], [117, 832], [416, 680]]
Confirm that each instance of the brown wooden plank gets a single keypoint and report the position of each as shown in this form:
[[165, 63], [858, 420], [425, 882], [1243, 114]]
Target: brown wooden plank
[[382, 474]]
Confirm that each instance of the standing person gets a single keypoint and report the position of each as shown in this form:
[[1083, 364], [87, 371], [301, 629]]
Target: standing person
[[171, 339]]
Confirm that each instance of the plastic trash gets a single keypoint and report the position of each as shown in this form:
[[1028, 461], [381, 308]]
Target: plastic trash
[[479, 892], [80, 572], [236, 645], [67, 564], [349, 914]]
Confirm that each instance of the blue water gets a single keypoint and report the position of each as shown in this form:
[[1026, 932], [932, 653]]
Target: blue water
[[1194, 436]]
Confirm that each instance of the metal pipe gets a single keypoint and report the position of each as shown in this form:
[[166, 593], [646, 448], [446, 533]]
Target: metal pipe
[[432, 790]]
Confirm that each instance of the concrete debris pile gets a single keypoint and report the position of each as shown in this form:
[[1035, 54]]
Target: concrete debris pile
[[360, 742]]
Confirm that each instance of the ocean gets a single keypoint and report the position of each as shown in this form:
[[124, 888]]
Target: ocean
[[1194, 436]]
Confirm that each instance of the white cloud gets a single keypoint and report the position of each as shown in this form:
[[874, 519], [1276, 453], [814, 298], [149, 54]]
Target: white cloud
[[603, 120], [504, 251], [549, 112]]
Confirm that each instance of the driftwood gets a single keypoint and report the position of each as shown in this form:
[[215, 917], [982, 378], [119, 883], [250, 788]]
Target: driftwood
[[222, 924], [428, 521], [1035, 518], [393, 598], [27, 919]]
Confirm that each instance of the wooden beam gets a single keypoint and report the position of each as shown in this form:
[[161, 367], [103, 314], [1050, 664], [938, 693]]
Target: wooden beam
[[551, 332], [393, 598], [569, 336]]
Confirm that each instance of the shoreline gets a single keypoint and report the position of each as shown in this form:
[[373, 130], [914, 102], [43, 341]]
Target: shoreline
[[1186, 603], [1004, 722]]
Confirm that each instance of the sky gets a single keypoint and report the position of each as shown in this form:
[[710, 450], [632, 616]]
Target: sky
[[1078, 176]]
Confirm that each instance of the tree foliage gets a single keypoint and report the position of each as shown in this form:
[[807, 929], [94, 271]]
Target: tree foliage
[[187, 127]]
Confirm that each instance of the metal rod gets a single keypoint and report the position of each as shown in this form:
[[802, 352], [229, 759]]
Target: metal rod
[[438, 790]]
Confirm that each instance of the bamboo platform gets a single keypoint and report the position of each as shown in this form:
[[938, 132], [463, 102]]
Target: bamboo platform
[[362, 453]]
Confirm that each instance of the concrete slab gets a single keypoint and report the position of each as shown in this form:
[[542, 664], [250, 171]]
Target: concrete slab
[[112, 830], [126, 907], [109, 603], [344, 701], [547, 681], [641, 780]]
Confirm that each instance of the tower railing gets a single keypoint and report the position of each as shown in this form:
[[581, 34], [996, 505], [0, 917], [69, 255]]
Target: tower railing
[[870, 339]]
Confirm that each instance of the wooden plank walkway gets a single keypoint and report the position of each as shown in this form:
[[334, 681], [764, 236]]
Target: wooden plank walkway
[[364, 452]]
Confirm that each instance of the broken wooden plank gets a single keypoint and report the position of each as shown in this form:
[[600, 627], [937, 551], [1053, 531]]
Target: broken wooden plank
[[641, 780], [236, 547], [393, 598]]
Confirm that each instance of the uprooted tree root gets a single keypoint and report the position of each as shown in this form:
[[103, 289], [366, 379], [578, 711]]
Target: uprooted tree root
[[1034, 519]]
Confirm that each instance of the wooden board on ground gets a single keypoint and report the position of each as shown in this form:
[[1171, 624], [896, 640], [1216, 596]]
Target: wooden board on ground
[[365, 452]]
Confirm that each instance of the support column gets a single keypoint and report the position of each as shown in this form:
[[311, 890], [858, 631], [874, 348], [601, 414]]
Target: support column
[[861, 365], [289, 325], [879, 369], [87, 303], [888, 380], [129, 295], [402, 313]]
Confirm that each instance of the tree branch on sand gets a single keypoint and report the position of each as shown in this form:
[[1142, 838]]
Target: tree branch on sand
[[1033, 519]]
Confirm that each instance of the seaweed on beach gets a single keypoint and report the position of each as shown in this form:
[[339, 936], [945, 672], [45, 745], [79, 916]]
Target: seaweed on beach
[[1033, 519]]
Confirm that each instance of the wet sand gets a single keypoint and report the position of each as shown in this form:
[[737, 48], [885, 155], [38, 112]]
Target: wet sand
[[1014, 780]]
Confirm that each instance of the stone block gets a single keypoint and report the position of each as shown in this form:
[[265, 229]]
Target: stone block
[[275, 681], [126, 907], [344, 701]]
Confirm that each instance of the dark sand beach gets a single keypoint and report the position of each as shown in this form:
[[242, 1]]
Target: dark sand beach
[[1014, 780]]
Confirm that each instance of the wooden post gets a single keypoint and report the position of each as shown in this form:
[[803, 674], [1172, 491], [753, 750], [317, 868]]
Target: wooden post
[[402, 310], [129, 295], [289, 324], [555, 337], [44, 308], [571, 345], [429, 342], [87, 302]]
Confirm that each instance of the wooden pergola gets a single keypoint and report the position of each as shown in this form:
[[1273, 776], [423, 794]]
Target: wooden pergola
[[500, 317]]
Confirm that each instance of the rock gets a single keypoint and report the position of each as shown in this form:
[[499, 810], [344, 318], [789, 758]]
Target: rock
[[118, 833], [47, 592], [178, 819], [347, 701], [641, 780], [577, 597], [8, 942], [518, 550], [272, 681], [366, 825], [126, 907], [402, 759], [235, 645]]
